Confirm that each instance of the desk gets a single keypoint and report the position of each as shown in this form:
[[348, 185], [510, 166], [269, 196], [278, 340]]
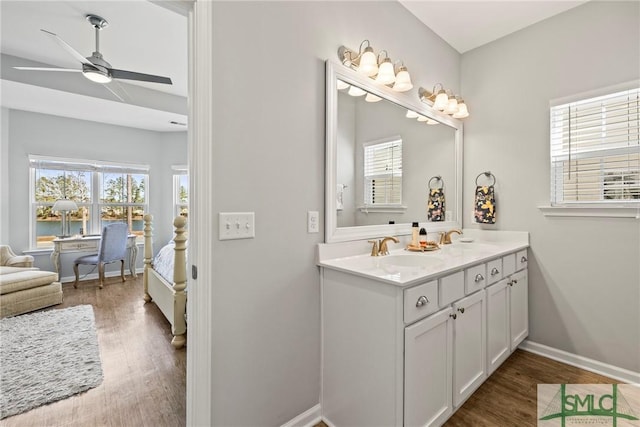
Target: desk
[[89, 244]]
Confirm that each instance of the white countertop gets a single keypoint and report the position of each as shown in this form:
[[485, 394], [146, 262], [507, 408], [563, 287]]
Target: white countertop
[[405, 268]]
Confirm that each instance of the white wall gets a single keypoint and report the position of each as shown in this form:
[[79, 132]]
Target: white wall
[[584, 273], [4, 176], [42, 134], [268, 125]]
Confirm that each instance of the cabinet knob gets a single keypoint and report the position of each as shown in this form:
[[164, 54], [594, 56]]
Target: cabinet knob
[[510, 283], [461, 310], [479, 278], [515, 281], [494, 271], [523, 259], [422, 301], [453, 316]]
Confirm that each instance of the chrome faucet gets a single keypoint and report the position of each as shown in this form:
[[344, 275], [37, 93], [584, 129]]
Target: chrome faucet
[[383, 249], [445, 237]]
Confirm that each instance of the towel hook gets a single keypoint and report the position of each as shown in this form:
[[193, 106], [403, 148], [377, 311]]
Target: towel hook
[[488, 174], [438, 178]]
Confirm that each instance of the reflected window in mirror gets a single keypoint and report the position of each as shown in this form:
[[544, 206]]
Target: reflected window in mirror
[[383, 172]]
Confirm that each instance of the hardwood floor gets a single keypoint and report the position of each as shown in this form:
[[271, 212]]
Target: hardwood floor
[[144, 376], [509, 397]]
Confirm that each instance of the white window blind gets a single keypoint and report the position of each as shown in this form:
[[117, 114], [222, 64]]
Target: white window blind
[[595, 151], [383, 172]]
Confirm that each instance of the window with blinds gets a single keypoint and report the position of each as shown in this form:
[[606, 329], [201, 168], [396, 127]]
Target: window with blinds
[[595, 151], [383, 172]]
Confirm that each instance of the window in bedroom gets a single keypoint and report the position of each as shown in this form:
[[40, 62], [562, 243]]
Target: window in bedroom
[[104, 193], [383, 173], [180, 191], [595, 151]]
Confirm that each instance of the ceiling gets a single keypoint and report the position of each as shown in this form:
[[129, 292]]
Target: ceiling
[[142, 36], [466, 25], [145, 37]]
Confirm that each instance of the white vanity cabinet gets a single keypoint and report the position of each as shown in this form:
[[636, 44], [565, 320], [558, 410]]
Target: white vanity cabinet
[[396, 355], [507, 315]]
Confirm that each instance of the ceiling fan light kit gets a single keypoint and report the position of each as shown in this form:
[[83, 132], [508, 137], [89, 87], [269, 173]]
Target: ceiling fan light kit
[[94, 67]]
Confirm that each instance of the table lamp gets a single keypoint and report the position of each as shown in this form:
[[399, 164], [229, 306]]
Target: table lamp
[[64, 206]]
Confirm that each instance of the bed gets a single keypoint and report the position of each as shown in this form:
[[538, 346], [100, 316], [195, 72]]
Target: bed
[[165, 278]]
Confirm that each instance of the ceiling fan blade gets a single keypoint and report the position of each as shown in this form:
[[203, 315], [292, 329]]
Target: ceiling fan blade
[[114, 93], [69, 70], [132, 75], [68, 48]]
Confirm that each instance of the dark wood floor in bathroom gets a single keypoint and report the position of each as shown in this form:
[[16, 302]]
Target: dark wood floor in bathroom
[[144, 376], [508, 397]]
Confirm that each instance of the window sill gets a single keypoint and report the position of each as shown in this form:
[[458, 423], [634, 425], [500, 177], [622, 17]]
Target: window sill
[[597, 212], [382, 209]]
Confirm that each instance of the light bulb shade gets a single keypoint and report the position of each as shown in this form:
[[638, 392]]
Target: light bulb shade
[[356, 91], [64, 205], [432, 122], [372, 98], [403, 81], [368, 63], [452, 106], [462, 111], [411, 114], [422, 118], [386, 74], [342, 85], [441, 101]]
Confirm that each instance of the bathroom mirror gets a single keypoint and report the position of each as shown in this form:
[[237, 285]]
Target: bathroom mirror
[[358, 206]]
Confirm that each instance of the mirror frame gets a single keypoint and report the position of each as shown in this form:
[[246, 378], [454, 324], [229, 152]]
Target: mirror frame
[[408, 100]]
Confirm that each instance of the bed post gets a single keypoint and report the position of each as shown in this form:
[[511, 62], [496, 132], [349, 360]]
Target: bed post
[[179, 284], [148, 254]]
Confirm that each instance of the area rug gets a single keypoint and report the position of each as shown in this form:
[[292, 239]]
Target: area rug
[[47, 356]]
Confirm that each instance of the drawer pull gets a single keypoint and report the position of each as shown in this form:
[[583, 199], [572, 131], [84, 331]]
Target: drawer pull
[[461, 310], [523, 259], [422, 301], [494, 271], [479, 278], [515, 281], [453, 316], [510, 283]]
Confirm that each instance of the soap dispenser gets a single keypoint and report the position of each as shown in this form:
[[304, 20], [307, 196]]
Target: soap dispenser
[[415, 227]]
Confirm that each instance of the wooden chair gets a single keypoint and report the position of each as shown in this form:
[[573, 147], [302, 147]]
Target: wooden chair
[[113, 247]]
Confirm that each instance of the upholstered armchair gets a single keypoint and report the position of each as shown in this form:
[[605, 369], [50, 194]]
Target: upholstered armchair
[[9, 259]]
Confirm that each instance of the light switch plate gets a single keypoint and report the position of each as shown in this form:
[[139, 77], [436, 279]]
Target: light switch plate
[[236, 225]]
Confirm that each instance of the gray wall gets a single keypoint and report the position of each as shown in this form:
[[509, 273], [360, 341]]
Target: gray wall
[[268, 124], [584, 272], [42, 134], [4, 176]]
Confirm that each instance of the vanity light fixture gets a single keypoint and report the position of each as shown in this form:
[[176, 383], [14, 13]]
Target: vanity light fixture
[[380, 68], [422, 118], [342, 85], [356, 91], [411, 114], [403, 80], [444, 101], [386, 72], [372, 98]]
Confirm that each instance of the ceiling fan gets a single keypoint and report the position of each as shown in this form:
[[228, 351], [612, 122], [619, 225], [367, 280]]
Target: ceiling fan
[[94, 67]]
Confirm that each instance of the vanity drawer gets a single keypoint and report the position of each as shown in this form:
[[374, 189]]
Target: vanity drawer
[[475, 278], [521, 259], [494, 271], [420, 301], [79, 246], [508, 265], [451, 288]]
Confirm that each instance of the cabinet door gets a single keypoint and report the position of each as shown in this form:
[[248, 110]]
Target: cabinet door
[[428, 371], [519, 307], [498, 333], [469, 346]]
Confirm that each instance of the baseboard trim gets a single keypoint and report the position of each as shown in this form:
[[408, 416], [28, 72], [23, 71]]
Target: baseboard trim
[[582, 362], [309, 418]]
